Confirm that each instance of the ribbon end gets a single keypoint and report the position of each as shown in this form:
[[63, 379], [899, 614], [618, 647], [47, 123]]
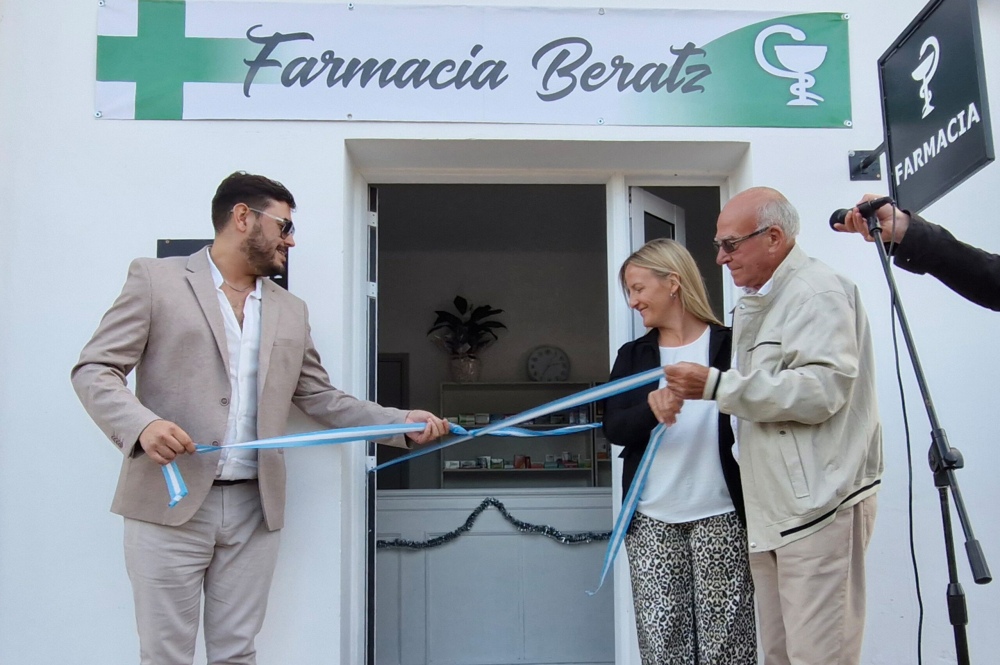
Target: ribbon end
[[176, 487]]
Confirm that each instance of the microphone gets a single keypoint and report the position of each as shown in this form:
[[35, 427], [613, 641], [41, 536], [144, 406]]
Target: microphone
[[866, 209]]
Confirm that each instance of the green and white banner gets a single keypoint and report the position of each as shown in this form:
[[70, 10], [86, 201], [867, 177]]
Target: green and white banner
[[185, 60]]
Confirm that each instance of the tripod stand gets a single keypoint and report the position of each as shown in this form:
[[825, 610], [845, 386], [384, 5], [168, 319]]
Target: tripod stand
[[944, 461]]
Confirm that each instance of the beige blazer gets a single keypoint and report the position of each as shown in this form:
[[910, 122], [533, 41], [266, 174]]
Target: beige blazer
[[167, 324]]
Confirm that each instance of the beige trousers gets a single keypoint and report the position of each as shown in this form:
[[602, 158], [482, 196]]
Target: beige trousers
[[225, 550], [811, 593]]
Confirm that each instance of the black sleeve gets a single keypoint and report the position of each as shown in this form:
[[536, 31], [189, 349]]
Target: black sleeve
[[628, 420], [968, 271]]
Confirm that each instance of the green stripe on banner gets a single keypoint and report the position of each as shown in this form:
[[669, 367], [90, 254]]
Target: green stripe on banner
[[161, 58]]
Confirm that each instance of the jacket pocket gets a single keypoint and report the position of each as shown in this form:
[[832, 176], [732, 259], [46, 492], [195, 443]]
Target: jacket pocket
[[793, 461], [765, 355]]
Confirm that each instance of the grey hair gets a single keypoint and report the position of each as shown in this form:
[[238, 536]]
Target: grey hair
[[777, 211]]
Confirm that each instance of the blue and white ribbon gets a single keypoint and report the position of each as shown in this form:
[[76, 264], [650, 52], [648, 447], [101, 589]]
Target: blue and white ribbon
[[506, 427], [630, 503], [176, 487], [587, 396], [323, 437], [178, 490]]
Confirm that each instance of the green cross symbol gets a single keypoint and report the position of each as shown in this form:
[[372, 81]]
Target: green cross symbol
[[161, 59]]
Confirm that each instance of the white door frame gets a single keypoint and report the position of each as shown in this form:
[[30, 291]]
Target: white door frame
[[643, 201], [619, 243], [356, 461]]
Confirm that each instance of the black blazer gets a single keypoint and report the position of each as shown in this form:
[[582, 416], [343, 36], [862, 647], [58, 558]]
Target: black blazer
[[966, 270], [628, 420]]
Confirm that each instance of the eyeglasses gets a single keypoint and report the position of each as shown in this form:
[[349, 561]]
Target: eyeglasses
[[730, 245], [287, 228]]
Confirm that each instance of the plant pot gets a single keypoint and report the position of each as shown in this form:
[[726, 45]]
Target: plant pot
[[465, 369]]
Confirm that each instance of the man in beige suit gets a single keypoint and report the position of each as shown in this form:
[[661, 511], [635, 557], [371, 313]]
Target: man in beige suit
[[220, 354]]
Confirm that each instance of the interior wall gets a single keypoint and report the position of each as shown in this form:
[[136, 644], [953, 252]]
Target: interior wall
[[535, 251]]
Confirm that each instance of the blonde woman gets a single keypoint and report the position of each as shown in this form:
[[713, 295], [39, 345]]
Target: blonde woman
[[686, 544]]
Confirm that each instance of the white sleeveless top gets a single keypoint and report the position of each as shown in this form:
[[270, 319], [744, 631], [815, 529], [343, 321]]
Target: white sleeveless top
[[685, 481]]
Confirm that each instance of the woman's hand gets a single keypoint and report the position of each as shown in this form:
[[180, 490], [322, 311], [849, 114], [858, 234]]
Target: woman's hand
[[665, 405]]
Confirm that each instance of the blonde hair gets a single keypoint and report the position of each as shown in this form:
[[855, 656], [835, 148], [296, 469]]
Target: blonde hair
[[664, 258]]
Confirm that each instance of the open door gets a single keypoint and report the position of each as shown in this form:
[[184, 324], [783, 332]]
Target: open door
[[652, 217]]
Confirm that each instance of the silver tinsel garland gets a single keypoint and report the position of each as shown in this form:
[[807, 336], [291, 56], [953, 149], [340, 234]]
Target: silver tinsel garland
[[523, 527]]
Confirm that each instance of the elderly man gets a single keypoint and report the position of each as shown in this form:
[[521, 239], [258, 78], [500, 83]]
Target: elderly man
[[802, 389]]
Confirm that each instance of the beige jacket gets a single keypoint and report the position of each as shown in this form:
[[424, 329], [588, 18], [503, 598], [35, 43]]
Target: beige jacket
[[810, 442], [167, 324]]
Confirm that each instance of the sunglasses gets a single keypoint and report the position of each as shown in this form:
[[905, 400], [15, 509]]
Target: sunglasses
[[730, 245], [287, 228]]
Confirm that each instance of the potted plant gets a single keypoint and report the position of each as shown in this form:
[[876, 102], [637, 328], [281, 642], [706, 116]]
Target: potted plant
[[464, 335]]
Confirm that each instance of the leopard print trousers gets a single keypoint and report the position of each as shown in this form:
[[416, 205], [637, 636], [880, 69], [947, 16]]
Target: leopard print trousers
[[692, 591]]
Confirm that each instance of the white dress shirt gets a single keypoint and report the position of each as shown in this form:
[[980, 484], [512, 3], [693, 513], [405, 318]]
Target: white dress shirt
[[243, 344]]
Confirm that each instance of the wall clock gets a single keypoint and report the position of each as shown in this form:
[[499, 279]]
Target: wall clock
[[548, 363]]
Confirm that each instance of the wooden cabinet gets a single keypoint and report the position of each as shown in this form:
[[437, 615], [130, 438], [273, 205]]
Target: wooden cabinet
[[571, 460]]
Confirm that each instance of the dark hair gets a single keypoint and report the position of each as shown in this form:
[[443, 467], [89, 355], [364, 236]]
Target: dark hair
[[254, 190]]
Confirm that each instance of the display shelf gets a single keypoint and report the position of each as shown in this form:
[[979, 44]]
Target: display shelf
[[491, 402], [538, 427], [586, 469]]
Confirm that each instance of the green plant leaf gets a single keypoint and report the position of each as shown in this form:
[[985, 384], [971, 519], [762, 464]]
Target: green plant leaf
[[480, 312], [467, 333], [447, 317]]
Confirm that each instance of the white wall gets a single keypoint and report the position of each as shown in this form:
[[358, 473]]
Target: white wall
[[81, 197]]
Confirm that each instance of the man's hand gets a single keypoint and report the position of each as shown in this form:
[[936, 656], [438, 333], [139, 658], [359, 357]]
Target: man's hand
[[665, 405], [854, 222], [163, 440], [435, 427], [686, 380]]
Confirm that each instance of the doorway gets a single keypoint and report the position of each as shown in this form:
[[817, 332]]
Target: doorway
[[613, 165], [538, 252]]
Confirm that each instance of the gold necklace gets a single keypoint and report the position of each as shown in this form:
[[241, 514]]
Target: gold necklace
[[253, 284]]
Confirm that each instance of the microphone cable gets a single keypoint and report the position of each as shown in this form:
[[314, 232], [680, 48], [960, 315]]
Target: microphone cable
[[909, 449]]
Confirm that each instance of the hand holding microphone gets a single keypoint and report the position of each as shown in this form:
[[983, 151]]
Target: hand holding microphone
[[853, 221]]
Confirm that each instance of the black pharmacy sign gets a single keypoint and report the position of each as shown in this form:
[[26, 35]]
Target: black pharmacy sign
[[934, 106]]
